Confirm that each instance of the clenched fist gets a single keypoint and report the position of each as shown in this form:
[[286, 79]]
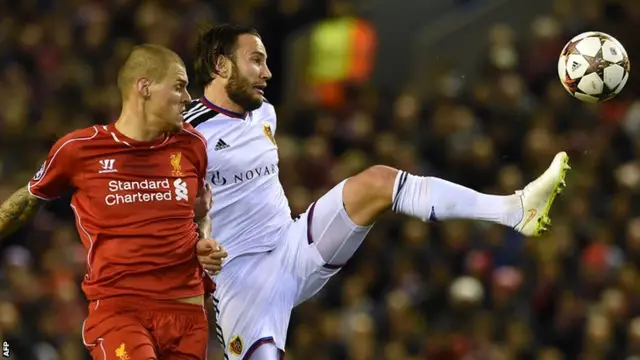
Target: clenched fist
[[210, 255]]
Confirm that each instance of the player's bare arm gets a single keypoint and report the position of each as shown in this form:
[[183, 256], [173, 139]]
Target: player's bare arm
[[203, 204], [210, 253], [204, 227], [17, 210]]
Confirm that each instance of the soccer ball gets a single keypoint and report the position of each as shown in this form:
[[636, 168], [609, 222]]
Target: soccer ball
[[593, 67]]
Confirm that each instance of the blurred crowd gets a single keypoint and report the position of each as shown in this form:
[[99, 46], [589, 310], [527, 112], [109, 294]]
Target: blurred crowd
[[444, 291]]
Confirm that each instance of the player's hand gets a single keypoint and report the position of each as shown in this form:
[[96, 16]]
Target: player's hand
[[203, 203], [210, 255]]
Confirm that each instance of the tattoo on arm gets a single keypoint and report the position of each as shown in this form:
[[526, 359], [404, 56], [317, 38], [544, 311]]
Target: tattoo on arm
[[17, 210], [204, 227]]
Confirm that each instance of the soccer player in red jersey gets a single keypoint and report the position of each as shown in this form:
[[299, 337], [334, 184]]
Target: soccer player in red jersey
[[135, 184]]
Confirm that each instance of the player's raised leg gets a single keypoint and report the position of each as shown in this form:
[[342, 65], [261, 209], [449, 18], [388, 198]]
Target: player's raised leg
[[380, 188]]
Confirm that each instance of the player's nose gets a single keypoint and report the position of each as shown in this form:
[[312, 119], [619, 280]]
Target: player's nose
[[266, 73], [186, 97]]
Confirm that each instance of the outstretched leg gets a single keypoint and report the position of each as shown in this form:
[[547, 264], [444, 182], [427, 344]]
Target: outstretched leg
[[380, 188], [336, 225]]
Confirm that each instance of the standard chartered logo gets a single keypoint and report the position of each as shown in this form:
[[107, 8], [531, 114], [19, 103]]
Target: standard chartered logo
[[128, 192], [182, 193]]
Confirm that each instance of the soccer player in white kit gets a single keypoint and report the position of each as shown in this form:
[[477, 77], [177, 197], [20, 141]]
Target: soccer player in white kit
[[276, 262]]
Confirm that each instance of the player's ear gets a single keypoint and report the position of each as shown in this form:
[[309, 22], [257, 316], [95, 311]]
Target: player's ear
[[222, 66], [143, 87]]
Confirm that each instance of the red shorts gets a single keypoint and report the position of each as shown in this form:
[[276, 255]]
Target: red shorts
[[126, 328]]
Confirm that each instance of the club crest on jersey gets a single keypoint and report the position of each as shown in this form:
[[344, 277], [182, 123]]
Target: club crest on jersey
[[121, 353], [235, 345], [40, 172], [175, 160], [266, 128]]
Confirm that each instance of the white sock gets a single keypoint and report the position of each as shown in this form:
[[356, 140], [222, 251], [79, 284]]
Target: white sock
[[430, 198]]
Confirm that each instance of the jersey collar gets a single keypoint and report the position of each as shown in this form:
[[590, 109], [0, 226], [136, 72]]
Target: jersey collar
[[221, 110]]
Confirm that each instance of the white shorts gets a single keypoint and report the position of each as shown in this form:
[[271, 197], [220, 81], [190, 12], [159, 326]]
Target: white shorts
[[256, 293]]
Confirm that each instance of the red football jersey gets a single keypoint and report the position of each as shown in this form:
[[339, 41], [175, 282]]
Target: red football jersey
[[133, 203]]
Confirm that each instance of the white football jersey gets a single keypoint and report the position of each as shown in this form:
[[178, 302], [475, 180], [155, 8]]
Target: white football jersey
[[249, 204]]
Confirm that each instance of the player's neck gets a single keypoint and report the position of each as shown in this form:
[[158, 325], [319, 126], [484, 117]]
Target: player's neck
[[136, 127], [217, 96]]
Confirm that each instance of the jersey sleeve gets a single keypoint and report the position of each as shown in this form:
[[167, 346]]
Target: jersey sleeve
[[55, 175]]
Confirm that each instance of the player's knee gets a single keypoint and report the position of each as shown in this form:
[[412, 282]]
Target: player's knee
[[369, 193], [374, 183]]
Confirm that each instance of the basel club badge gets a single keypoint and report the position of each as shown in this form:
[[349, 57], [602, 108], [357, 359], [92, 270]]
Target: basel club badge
[[235, 345], [266, 128]]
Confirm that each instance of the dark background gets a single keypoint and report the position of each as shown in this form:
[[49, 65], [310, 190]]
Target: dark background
[[487, 112]]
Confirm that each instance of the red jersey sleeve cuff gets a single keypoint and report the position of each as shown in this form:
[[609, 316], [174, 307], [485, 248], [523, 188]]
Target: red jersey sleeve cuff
[[35, 193]]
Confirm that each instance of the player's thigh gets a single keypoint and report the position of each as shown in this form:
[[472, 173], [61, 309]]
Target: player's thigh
[[191, 340], [253, 301], [266, 352], [331, 231], [117, 337], [329, 240]]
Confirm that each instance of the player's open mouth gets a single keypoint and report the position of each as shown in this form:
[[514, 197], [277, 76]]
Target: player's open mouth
[[259, 89]]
